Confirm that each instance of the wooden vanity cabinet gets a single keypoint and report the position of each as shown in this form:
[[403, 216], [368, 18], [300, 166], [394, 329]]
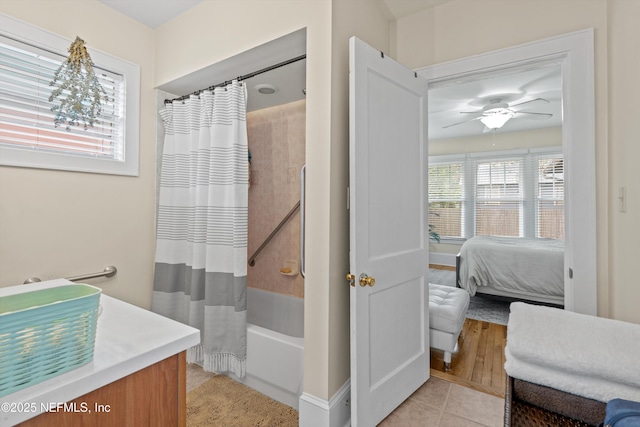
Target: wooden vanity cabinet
[[154, 396]]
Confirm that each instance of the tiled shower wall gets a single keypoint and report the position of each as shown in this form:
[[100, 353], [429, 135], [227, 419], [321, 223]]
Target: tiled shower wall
[[277, 145]]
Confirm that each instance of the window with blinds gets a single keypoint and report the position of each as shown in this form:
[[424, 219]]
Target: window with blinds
[[26, 119], [446, 198], [498, 197], [549, 198], [518, 194], [29, 57]]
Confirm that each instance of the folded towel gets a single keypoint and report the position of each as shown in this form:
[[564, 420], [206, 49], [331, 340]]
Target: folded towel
[[573, 352], [578, 384]]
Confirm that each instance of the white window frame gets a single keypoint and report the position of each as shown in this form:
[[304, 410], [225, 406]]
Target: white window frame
[[467, 213], [528, 215], [473, 188], [21, 157]]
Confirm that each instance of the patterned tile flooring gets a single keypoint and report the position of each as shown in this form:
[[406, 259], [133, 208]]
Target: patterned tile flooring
[[437, 403]]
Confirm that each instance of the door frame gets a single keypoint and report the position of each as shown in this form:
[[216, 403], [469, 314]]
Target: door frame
[[575, 53]]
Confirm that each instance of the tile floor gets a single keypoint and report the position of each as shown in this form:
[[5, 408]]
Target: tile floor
[[437, 403]]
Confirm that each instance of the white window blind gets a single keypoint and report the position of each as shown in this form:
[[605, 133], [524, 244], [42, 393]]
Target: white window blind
[[517, 193], [446, 198], [499, 197], [549, 196], [26, 119]]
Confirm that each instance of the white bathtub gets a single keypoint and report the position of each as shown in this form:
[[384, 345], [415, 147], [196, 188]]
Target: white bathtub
[[274, 359]]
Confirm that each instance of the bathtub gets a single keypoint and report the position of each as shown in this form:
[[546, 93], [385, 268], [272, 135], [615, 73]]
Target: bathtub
[[275, 345]]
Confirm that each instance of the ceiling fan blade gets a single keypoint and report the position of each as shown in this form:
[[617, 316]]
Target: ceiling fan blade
[[531, 100], [534, 116], [459, 123]]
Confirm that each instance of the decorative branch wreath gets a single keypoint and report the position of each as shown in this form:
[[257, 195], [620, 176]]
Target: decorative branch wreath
[[79, 94]]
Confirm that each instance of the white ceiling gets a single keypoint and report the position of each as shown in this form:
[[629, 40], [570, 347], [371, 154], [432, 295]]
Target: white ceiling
[[446, 101], [154, 13], [400, 8], [460, 102]]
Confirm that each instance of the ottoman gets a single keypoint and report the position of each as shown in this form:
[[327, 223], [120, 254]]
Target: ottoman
[[447, 311]]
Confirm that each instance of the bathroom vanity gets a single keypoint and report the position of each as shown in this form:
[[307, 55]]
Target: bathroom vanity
[[137, 375]]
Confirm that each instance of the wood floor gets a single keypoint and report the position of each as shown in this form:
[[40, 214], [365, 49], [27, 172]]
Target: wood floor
[[479, 363]]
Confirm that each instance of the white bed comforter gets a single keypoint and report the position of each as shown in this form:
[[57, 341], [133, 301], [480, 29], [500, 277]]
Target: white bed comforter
[[588, 356], [519, 265]]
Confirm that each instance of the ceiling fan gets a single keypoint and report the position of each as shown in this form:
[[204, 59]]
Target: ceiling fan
[[497, 113]]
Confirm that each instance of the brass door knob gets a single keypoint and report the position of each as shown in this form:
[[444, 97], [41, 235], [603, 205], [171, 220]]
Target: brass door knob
[[351, 279], [366, 280]]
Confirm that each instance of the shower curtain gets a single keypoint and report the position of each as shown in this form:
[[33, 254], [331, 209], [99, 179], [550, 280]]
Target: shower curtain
[[201, 248]]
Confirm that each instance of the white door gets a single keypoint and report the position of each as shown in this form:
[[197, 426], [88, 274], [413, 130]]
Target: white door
[[388, 232]]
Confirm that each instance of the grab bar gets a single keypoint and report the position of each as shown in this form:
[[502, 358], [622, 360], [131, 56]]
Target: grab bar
[[252, 260], [108, 271], [303, 179]]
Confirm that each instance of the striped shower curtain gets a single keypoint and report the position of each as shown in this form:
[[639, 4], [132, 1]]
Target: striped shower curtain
[[201, 252]]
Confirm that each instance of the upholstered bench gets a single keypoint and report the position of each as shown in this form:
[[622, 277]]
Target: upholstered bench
[[447, 311]]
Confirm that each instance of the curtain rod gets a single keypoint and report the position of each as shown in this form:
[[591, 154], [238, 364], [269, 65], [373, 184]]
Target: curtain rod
[[240, 78]]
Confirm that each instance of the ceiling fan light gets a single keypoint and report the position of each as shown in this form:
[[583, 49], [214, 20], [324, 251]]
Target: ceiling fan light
[[495, 119]]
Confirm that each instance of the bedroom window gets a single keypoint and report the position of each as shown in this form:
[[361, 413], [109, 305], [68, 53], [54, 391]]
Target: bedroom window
[[549, 197], [446, 198], [518, 193], [498, 197], [29, 57]]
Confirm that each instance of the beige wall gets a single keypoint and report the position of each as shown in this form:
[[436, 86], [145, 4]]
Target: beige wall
[[467, 27], [623, 156], [547, 137], [365, 20], [59, 224]]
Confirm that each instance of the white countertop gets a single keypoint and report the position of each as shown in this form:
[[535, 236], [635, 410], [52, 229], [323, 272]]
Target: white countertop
[[128, 338]]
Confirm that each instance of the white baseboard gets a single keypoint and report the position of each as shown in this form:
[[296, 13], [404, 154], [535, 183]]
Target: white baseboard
[[316, 412], [442, 259], [264, 387]]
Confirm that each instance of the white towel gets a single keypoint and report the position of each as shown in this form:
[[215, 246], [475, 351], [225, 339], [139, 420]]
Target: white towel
[[585, 355]]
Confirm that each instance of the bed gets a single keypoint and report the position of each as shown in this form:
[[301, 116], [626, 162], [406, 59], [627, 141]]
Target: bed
[[521, 268]]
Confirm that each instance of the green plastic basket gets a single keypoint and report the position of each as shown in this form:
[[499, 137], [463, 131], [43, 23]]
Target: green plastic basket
[[46, 333]]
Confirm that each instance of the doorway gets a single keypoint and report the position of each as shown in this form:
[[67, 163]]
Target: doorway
[[574, 55]]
